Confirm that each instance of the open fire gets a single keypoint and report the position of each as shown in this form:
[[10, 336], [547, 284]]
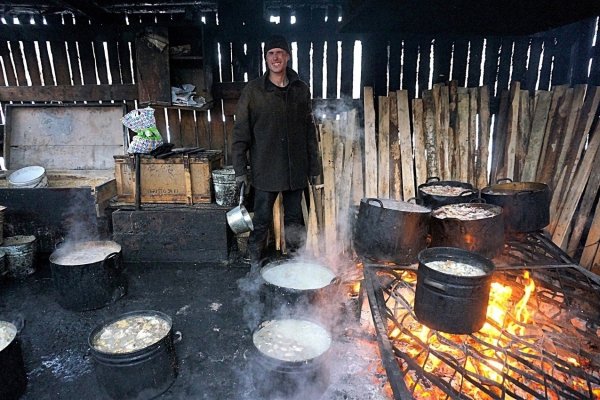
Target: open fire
[[541, 338]]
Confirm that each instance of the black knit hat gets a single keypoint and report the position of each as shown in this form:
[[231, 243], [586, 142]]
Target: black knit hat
[[275, 42]]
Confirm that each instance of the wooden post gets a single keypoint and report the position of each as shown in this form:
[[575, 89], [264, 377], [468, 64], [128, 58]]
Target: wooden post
[[370, 145], [383, 167], [406, 150], [329, 225], [484, 137], [419, 135], [536, 137], [395, 158], [461, 134]]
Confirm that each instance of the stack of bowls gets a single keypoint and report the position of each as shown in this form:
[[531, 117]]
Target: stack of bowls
[[28, 177]]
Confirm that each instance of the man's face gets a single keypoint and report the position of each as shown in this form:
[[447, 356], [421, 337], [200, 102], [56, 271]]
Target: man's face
[[277, 60]]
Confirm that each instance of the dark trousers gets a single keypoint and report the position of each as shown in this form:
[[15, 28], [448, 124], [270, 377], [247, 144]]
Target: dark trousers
[[295, 232]]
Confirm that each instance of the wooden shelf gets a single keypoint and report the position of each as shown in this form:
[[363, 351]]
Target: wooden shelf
[[205, 107]]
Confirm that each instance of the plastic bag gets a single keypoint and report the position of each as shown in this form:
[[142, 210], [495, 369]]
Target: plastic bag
[[143, 123]]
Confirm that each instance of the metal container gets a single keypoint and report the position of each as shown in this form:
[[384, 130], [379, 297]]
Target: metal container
[[238, 218], [452, 303], [483, 235], [13, 379], [140, 374], [20, 254], [88, 275], [390, 230], [465, 193], [225, 187], [526, 205]]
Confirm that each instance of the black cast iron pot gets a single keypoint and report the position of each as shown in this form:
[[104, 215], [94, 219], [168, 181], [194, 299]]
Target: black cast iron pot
[[483, 235], [13, 379], [390, 230], [140, 374], [88, 275], [448, 302], [296, 287], [436, 200], [526, 205]]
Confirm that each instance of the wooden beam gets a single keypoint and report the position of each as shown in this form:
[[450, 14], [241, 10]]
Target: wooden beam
[[370, 144], [383, 165], [69, 93]]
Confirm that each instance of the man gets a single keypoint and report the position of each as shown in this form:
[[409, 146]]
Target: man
[[274, 124]]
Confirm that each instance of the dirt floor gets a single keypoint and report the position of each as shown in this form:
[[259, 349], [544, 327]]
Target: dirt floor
[[213, 306]]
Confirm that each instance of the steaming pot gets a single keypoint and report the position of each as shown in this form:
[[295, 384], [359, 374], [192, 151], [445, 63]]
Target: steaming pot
[[447, 300], [433, 201], [13, 379], [88, 275]]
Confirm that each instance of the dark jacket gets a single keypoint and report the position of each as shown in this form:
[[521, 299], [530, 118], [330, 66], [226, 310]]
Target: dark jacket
[[277, 127]]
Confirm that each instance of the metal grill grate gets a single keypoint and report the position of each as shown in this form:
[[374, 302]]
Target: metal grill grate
[[553, 355]]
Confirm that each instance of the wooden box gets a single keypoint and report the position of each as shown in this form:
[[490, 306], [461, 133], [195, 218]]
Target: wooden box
[[76, 145], [179, 179]]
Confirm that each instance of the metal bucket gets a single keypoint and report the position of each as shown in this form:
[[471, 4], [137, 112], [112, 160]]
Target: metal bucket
[[225, 188], [20, 251]]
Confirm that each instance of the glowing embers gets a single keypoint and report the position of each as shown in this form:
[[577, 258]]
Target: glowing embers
[[532, 345]]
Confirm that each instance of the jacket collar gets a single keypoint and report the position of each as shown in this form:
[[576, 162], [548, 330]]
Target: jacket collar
[[291, 75]]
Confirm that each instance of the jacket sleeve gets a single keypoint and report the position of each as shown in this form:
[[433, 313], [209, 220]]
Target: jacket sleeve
[[314, 158], [242, 134]]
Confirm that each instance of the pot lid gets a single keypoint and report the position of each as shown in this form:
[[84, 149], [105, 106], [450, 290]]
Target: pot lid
[[88, 252], [297, 275], [292, 340]]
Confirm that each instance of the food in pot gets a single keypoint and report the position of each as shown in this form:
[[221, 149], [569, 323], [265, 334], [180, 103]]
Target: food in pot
[[130, 334], [443, 190], [291, 340], [7, 334], [465, 212], [452, 267], [85, 252], [400, 206], [298, 275]]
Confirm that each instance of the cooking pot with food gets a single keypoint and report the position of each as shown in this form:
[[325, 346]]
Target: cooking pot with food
[[88, 275], [134, 354], [390, 230], [289, 355], [435, 193], [13, 379], [526, 205], [453, 288], [476, 227], [294, 286]]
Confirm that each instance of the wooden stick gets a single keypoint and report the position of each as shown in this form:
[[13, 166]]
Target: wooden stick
[[431, 150], [462, 145], [370, 144], [524, 131], [472, 137], [395, 157], [406, 152], [383, 167], [536, 136], [589, 256], [419, 135], [557, 94], [329, 184], [484, 137]]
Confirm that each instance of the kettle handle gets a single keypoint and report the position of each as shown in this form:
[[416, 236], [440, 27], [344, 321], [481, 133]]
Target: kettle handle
[[242, 190]]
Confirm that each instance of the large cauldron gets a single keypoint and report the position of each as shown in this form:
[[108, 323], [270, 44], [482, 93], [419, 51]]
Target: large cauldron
[[427, 193], [476, 227], [13, 379], [390, 230], [450, 302], [526, 204], [88, 275]]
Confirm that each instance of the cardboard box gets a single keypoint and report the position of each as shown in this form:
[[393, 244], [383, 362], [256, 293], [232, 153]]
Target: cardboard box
[[76, 145], [179, 179]]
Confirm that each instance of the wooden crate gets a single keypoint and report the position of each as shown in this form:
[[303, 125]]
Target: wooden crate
[[180, 179]]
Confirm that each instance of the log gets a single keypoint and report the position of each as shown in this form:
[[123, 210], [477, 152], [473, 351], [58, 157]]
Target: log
[[395, 158], [383, 166], [524, 131], [406, 151], [452, 141], [536, 136], [472, 156], [575, 191], [483, 104], [345, 186], [370, 144], [329, 224], [430, 141], [419, 135], [462, 145]]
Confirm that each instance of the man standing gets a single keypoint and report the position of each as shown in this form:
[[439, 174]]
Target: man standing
[[274, 124]]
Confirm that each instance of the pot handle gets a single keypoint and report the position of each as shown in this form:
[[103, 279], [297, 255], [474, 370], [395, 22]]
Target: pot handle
[[242, 189], [113, 258], [412, 199], [432, 179], [466, 192], [524, 192], [503, 180], [433, 284], [478, 200], [370, 199]]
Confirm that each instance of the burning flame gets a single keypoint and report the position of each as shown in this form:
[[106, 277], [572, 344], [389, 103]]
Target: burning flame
[[503, 324]]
